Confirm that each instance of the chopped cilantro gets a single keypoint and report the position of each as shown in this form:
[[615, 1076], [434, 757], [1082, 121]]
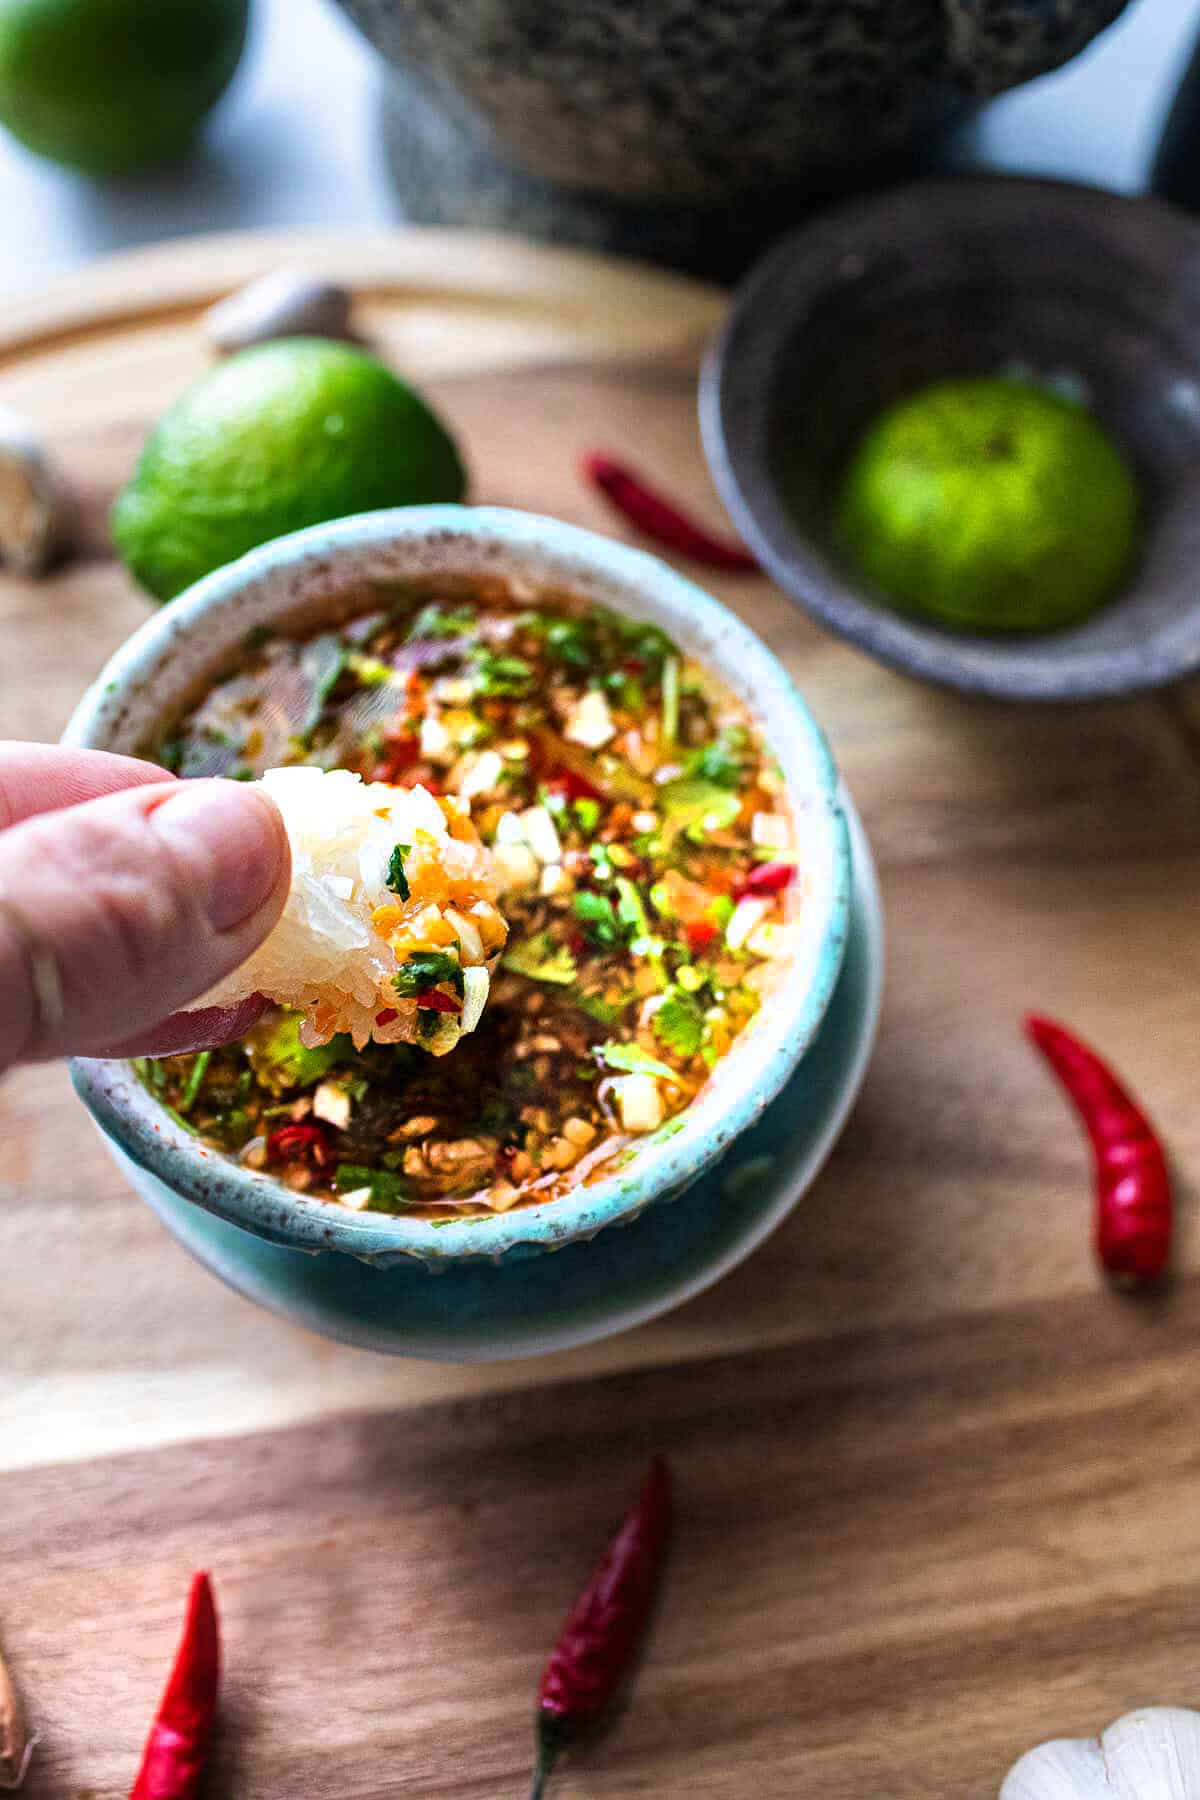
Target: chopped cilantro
[[599, 1007], [568, 641], [501, 677], [630, 1058], [600, 925], [440, 622], [397, 880], [720, 910], [679, 1023], [425, 969], [540, 959], [388, 1192], [588, 813], [630, 910], [368, 671], [722, 761]]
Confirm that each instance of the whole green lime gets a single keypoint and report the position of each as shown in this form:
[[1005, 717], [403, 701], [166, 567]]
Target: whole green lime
[[110, 85], [284, 435], [990, 504]]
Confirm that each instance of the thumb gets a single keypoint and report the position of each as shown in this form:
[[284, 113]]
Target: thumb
[[116, 912]]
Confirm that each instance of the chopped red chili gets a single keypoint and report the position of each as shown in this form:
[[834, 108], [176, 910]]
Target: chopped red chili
[[573, 786], [300, 1143], [604, 1628], [433, 1000], [177, 1747], [386, 1016], [701, 934], [767, 878], [1133, 1186], [661, 519]]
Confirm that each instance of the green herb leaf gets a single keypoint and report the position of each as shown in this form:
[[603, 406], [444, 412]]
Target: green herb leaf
[[388, 1192], [630, 910], [595, 913], [397, 880], [634, 1061], [605, 1012], [588, 813], [501, 677], [679, 1023], [540, 959], [439, 621], [567, 641], [425, 969], [722, 761]]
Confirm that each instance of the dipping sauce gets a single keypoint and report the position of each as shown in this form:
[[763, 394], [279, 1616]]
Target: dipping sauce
[[649, 872]]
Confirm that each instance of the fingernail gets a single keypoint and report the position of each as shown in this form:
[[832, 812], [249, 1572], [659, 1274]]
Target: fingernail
[[231, 839]]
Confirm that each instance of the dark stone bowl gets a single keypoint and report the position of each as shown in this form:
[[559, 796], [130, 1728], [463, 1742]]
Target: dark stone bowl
[[956, 277], [704, 102]]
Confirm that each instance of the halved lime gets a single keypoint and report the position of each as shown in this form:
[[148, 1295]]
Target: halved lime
[[991, 504]]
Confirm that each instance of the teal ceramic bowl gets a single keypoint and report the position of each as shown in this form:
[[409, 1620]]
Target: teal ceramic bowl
[[299, 583]]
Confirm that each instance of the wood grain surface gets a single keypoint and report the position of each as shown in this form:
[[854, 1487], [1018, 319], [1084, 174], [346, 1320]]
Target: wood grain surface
[[938, 1486]]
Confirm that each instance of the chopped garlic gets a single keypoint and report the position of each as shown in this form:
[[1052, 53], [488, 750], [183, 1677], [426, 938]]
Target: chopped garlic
[[467, 934], [435, 739], [476, 983], [516, 865], [771, 830], [358, 1198], [640, 1102], [748, 915], [541, 835], [772, 940], [555, 880], [509, 829], [590, 723], [332, 1103], [644, 821], [481, 776]]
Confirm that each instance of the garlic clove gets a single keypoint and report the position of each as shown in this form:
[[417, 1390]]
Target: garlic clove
[[35, 506], [1064, 1769], [282, 304], [1154, 1754]]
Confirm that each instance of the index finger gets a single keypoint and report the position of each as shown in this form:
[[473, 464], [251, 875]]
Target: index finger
[[42, 778]]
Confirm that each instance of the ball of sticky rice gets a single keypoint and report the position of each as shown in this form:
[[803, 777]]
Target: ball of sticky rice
[[391, 924]]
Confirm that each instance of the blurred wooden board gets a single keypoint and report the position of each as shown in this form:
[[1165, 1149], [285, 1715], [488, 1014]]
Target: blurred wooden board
[[937, 1484]]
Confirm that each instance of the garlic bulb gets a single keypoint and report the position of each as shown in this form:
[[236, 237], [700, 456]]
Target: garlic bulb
[[283, 304], [34, 505], [1151, 1754]]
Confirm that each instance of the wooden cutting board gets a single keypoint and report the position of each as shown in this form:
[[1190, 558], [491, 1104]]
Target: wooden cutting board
[[938, 1486]]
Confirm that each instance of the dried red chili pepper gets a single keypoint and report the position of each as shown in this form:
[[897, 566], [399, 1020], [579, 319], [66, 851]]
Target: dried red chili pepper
[[604, 1627], [176, 1749], [767, 878], [1133, 1186], [300, 1143], [386, 1016], [660, 519]]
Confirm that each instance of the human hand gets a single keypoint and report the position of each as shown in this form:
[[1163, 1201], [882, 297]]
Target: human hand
[[124, 894]]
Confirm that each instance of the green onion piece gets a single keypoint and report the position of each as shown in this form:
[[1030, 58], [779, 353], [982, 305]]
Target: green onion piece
[[670, 700], [196, 1074]]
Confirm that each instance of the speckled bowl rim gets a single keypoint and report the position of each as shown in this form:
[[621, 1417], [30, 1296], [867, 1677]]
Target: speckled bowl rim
[[280, 580], [742, 365]]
